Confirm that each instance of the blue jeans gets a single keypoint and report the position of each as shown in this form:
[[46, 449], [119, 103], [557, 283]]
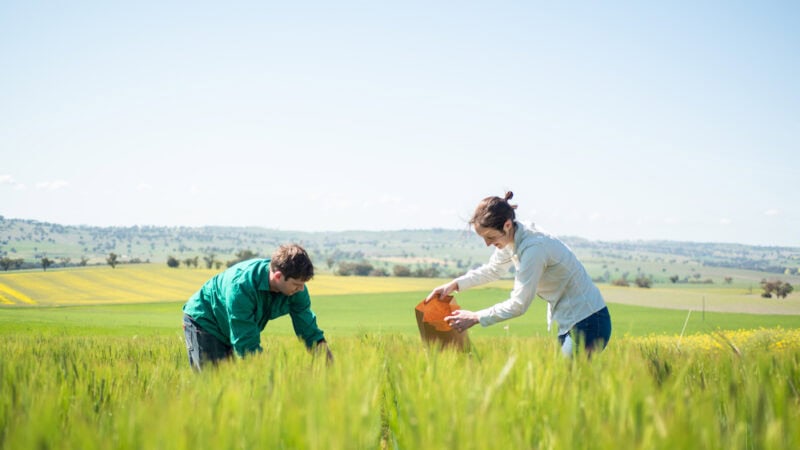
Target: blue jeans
[[593, 331], [202, 346]]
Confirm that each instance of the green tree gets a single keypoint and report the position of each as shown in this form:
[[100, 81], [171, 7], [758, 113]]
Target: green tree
[[173, 262], [209, 260], [345, 269], [401, 271], [780, 288], [784, 290], [242, 255], [622, 281], [46, 262], [427, 272], [643, 281], [363, 269], [354, 268], [112, 260]]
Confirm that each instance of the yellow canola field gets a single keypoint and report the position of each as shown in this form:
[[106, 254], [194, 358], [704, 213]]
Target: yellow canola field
[[142, 283], [101, 284], [10, 296], [736, 342]]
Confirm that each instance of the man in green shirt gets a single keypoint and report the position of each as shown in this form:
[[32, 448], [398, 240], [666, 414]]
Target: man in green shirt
[[228, 313]]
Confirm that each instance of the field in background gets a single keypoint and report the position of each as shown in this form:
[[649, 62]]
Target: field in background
[[138, 283], [146, 283], [358, 314], [447, 252]]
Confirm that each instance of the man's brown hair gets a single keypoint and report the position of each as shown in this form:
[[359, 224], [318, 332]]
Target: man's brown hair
[[293, 262]]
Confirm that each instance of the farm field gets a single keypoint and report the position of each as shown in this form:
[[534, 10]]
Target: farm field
[[107, 369], [155, 282], [147, 283], [385, 391], [356, 314]]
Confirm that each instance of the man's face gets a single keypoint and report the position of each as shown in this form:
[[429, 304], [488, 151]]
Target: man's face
[[287, 286]]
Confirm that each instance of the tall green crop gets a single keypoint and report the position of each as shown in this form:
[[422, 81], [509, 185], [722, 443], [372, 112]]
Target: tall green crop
[[388, 391]]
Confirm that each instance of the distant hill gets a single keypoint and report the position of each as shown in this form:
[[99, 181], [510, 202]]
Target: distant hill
[[449, 251]]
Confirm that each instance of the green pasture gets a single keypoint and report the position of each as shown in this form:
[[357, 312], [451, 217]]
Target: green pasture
[[379, 313]]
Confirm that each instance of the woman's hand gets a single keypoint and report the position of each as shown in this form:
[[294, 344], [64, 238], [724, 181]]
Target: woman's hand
[[462, 319], [443, 290]]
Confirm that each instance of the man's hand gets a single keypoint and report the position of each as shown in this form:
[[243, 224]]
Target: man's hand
[[442, 291], [462, 319], [321, 346]]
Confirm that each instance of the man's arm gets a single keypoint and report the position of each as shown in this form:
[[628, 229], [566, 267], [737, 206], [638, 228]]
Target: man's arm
[[303, 319]]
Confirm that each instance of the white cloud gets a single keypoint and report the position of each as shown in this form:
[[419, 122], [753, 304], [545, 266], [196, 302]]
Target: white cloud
[[329, 201], [52, 185], [8, 179], [724, 221], [384, 200], [388, 199], [771, 212], [144, 187]]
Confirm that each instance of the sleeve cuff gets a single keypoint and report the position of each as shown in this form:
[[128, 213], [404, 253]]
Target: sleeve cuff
[[485, 318], [464, 283]]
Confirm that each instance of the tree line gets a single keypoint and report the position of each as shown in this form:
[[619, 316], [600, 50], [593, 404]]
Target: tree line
[[45, 263]]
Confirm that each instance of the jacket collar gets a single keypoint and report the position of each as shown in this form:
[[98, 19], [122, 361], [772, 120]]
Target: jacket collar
[[262, 280]]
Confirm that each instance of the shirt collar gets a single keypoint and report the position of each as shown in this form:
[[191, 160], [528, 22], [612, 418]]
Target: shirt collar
[[519, 234]]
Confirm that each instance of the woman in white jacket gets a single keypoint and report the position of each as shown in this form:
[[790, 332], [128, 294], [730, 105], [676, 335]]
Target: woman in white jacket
[[544, 266]]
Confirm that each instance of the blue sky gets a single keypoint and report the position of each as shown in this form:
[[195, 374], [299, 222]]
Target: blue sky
[[609, 120]]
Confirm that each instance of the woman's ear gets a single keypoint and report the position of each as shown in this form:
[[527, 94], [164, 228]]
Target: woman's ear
[[508, 226]]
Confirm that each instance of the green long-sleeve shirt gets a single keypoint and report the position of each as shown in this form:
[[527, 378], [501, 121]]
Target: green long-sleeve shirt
[[235, 306]]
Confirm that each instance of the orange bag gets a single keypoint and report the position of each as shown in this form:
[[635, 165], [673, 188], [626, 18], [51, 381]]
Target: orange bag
[[432, 327]]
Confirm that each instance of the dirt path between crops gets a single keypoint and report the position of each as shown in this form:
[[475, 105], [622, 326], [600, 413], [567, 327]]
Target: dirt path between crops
[[698, 300]]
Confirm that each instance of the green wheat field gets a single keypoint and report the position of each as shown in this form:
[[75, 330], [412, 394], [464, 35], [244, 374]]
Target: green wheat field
[[94, 359]]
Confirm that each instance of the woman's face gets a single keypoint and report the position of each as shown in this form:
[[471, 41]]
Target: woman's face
[[495, 237]]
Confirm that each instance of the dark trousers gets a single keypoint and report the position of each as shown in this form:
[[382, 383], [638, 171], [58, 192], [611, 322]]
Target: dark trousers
[[593, 331], [202, 346]]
